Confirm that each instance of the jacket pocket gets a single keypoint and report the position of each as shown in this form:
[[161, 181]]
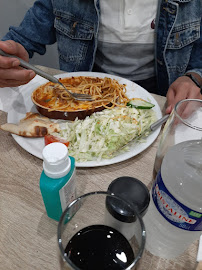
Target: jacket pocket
[[72, 27], [184, 35], [75, 38]]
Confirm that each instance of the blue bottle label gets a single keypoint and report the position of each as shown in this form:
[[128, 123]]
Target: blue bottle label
[[172, 210]]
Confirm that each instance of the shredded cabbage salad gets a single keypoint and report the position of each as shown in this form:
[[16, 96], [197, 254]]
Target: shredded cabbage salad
[[102, 134]]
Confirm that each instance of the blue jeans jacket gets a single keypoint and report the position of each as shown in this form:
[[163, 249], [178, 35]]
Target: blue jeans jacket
[[74, 26]]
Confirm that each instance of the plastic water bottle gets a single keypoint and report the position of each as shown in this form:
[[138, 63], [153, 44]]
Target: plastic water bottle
[[174, 217]]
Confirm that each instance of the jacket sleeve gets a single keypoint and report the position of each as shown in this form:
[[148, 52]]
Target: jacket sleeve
[[195, 63], [36, 30]]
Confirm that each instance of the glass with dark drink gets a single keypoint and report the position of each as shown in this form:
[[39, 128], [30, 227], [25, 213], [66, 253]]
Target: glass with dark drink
[[88, 241]]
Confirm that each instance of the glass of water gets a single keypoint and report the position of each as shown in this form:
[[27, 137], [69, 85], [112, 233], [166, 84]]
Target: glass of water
[[184, 124]]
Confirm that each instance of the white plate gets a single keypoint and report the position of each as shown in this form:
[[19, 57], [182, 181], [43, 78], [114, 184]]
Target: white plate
[[23, 104]]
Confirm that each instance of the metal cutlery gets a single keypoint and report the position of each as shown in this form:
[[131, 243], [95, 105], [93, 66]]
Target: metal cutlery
[[76, 96], [159, 122], [152, 128]]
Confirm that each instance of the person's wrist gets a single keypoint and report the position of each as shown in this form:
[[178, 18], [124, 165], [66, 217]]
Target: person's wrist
[[194, 79]]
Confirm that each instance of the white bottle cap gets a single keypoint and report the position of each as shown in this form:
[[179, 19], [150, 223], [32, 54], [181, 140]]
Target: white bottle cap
[[56, 161]]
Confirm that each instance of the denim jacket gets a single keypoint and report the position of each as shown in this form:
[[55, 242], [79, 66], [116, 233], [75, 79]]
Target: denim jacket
[[74, 24]]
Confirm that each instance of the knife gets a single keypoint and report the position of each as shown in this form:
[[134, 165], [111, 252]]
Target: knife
[[152, 127], [159, 122]]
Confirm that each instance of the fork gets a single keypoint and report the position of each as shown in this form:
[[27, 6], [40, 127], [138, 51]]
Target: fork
[[76, 96]]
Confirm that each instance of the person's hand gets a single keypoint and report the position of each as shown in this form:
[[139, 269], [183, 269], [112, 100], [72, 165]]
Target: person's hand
[[182, 88], [11, 74]]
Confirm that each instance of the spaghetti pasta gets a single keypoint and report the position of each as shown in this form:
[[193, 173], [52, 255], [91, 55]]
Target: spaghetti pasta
[[106, 92]]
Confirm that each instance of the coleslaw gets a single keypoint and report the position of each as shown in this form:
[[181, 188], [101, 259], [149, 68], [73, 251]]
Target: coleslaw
[[103, 134]]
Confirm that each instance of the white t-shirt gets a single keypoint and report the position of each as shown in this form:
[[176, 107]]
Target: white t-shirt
[[126, 38]]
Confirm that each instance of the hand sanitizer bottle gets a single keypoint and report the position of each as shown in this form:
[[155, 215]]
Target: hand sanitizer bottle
[[57, 181]]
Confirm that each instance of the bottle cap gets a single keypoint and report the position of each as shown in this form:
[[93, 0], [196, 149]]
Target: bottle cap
[[132, 191], [56, 161]]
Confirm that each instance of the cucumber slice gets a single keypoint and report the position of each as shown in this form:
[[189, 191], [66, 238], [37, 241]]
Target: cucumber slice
[[139, 103]]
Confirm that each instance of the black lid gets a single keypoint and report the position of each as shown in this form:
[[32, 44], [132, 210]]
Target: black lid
[[131, 190]]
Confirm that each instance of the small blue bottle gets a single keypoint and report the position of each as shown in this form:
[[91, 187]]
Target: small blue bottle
[[57, 181]]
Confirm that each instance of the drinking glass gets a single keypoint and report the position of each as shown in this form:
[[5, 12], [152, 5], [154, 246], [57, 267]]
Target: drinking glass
[[87, 239], [184, 124]]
